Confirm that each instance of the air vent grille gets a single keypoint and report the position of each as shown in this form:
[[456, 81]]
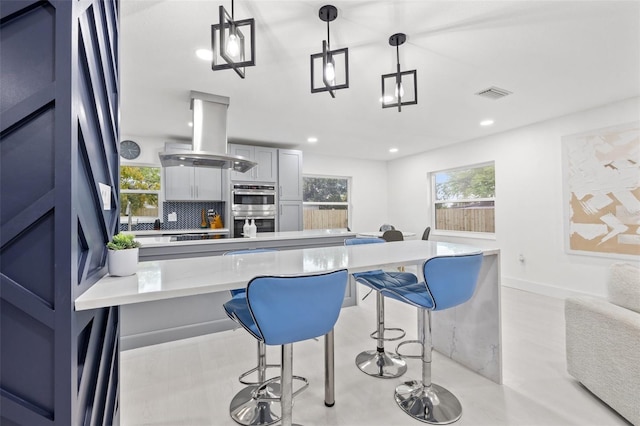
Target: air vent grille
[[493, 93]]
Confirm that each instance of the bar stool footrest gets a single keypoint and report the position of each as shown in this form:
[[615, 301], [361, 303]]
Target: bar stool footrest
[[259, 389], [374, 335], [406, 355], [253, 370]]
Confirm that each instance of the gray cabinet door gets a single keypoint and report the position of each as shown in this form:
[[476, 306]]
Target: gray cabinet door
[[267, 168], [290, 174], [178, 183], [207, 183], [191, 183], [290, 216], [267, 159]]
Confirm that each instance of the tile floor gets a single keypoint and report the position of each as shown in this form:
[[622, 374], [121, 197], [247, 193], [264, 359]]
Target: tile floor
[[191, 382]]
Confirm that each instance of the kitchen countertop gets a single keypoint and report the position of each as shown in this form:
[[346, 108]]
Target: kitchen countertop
[[151, 240], [161, 232], [165, 279]]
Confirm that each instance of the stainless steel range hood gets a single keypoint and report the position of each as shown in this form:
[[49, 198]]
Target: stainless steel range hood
[[209, 137]]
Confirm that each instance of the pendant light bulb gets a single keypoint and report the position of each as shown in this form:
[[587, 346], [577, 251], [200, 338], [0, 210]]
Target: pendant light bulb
[[233, 46], [330, 72], [399, 90]]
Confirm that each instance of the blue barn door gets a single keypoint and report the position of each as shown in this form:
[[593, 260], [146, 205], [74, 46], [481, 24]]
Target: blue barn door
[[58, 144]]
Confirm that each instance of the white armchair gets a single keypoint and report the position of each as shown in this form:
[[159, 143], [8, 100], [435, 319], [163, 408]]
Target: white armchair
[[603, 341]]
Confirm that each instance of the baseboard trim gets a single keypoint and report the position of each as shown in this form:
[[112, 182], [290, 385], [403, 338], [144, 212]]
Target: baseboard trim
[[543, 289]]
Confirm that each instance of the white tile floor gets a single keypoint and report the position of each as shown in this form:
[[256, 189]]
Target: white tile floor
[[191, 382]]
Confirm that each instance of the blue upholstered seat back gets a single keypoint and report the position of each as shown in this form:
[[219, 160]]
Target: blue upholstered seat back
[[452, 280], [354, 241], [291, 309], [240, 291]]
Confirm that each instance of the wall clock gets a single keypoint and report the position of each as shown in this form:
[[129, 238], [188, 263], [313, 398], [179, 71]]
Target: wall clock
[[129, 150]]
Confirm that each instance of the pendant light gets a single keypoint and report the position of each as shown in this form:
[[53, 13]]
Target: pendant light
[[330, 68], [233, 42], [401, 87]]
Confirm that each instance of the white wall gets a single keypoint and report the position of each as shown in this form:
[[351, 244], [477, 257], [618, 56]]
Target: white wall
[[368, 187], [529, 199]]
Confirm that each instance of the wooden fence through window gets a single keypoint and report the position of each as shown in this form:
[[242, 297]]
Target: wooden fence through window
[[325, 219], [469, 219]]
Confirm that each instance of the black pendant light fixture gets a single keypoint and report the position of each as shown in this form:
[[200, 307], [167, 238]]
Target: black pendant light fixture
[[401, 87], [329, 69], [233, 42]]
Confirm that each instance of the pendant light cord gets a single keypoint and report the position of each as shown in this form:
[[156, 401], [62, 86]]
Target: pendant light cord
[[328, 37]]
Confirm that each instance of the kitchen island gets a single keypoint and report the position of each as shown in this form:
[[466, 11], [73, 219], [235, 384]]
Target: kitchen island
[[469, 333], [160, 321]]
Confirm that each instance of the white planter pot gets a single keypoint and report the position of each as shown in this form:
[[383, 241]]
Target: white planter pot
[[122, 263]]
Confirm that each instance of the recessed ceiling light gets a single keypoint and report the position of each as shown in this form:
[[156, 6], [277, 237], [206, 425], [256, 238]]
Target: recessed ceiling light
[[393, 150], [486, 122], [204, 54], [191, 124], [312, 139]]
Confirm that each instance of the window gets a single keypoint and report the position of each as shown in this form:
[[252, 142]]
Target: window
[[325, 202], [464, 199], [140, 185]]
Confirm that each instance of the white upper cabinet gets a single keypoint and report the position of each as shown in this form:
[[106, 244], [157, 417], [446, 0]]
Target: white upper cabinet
[[267, 159], [191, 183]]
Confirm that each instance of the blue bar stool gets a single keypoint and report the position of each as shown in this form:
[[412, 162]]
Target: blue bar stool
[[284, 310], [244, 408], [378, 362], [449, 281]]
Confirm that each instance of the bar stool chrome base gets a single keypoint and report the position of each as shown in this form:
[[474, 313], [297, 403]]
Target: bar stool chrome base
[[385, 365], [430, 404], [246, 410]]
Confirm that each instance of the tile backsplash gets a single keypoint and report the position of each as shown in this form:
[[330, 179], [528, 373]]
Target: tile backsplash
[[188, 215]]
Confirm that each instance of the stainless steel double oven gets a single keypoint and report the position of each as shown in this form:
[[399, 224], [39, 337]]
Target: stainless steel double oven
[[257, 202]]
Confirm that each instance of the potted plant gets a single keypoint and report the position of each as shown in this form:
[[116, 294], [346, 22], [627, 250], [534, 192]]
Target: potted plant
[[122, 257]]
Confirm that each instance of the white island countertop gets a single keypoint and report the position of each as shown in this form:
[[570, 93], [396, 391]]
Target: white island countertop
[[165, 279]]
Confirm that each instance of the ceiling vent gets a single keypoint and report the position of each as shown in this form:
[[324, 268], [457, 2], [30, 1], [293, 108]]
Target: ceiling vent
[[493, 93]]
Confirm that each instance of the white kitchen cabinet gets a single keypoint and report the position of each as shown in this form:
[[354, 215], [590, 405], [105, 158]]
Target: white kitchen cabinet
[[290, 216], [267, 159], [191, 183], [290, 175]]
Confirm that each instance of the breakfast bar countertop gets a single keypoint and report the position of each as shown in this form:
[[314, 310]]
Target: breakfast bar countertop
[[164, 279]]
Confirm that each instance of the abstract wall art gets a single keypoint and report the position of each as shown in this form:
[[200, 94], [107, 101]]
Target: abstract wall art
[[602, 191]]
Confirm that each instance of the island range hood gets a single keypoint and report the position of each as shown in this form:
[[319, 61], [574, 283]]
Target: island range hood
[[209, 137]]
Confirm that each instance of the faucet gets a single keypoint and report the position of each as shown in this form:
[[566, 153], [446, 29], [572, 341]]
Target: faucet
[[128, 213]]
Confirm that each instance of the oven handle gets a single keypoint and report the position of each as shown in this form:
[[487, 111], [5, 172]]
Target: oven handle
[[253, 217], [254, 192]]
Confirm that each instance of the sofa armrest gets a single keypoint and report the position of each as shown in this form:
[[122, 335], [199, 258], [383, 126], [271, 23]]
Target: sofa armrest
[[603, 352]]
